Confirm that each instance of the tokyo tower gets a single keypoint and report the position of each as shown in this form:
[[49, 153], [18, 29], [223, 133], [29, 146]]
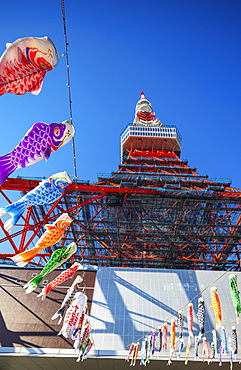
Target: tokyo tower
[[154, 211]]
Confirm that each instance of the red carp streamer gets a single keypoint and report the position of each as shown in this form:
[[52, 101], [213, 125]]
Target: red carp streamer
[[206, 351], [130, 351], [164, 336], [190, 319], [67, 274]]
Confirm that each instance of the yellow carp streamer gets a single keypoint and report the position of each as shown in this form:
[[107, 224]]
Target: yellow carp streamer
[[172, 340], [187, 350], [215, 304]]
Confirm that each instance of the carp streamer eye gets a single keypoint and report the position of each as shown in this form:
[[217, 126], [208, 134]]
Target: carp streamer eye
[[56, 131], [43, 63]]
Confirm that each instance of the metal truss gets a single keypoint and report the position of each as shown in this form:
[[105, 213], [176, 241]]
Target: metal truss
[[155, 211]]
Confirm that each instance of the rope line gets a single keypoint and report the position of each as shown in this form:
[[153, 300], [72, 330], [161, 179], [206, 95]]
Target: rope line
[[68, 83], [169, 318]]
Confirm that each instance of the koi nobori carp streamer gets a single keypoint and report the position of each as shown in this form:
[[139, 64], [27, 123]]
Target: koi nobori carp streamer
[[67, 274], [132, 346], [133, 353], [180, 323], [51, 236], [215, 348], [201, 316], [68, 299], [187, 350], [234, 340], [224, 340], [47, 192], [39, 142], [84, 342], [73, 315], [233, 346], [234, 291], [172, 341], [215, 304], [206, 351], [190, 319], [144, 349], [164, 336], [159, 338], [196, 347], [24, 64], [58, 257]]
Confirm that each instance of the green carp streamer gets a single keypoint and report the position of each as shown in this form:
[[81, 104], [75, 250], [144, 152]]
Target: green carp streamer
[[235, 295]]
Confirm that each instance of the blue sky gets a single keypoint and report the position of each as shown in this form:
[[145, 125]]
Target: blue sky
[[184, 54]]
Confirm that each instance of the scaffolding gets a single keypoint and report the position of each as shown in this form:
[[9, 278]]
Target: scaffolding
[[154, 211]]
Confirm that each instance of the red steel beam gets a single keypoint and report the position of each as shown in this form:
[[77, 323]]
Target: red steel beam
[[28, 184]]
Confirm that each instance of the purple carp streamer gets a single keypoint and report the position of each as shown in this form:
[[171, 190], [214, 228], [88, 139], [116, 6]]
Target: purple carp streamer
[[39, 142]]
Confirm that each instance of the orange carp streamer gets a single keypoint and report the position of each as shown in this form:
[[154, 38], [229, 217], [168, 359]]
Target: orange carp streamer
[[52, 235], [187, 350], [215, 304], [173, 334], [135, 354]]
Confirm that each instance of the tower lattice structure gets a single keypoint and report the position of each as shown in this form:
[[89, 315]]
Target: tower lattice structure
[[155, 211]]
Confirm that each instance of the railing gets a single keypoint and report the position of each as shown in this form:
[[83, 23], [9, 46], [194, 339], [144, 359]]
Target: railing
[[168, 131]]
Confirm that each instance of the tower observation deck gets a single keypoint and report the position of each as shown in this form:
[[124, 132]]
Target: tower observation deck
[[154, 211]]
